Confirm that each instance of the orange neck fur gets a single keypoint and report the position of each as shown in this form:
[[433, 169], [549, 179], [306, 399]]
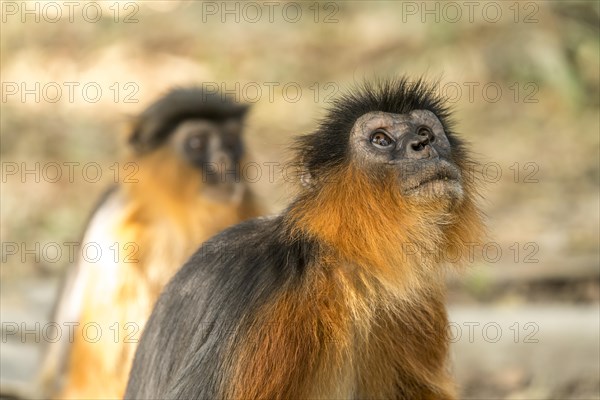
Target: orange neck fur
[[397, 241]]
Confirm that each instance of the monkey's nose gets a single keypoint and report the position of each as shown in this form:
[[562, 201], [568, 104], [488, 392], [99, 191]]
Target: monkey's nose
[[419, 148]]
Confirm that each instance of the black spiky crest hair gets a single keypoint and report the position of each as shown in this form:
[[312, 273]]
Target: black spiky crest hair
[[328, 146]]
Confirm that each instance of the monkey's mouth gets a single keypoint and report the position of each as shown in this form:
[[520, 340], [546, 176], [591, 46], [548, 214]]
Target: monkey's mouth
[[443, 175], [432, 178]]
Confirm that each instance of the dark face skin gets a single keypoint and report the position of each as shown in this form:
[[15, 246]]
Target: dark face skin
[[213, 147], [414, 147]]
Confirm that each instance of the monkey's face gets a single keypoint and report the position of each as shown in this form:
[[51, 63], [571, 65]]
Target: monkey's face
[[215, 148], [412, 148]]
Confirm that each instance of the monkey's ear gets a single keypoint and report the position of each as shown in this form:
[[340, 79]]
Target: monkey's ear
[[306, 178], [133, 133], [145, 135]]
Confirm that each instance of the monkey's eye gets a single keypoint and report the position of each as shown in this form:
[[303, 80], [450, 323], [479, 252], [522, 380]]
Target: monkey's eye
[[195, 142], [381, 139]]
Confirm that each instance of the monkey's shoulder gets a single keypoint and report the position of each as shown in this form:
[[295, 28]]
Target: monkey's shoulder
[[230, 277], [240, 267], [249, 250]]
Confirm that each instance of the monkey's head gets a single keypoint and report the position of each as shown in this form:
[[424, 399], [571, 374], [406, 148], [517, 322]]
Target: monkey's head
[[385, 170], [397, 133], [198, 131]]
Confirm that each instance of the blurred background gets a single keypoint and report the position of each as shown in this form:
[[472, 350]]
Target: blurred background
[[523, 78]]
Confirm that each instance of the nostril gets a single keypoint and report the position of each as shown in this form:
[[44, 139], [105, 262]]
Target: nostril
[[425, 132], [419, 145], [222, 160]]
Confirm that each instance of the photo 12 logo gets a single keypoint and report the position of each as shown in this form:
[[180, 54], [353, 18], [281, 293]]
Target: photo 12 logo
[[72, 11], [70, 92], [253, 12], [452, 12], [52, 332]]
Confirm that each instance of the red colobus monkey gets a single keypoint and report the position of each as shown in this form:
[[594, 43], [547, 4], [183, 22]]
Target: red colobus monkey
[[187, 148], [324, 300]]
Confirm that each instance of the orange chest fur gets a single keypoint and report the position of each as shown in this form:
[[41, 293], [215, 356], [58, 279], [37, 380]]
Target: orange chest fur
[[337, 343]]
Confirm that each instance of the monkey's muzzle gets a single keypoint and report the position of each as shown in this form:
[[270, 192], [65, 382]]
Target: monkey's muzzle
[[430, 178]]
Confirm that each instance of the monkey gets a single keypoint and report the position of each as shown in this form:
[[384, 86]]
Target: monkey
[[327, 299], [183, 186]]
